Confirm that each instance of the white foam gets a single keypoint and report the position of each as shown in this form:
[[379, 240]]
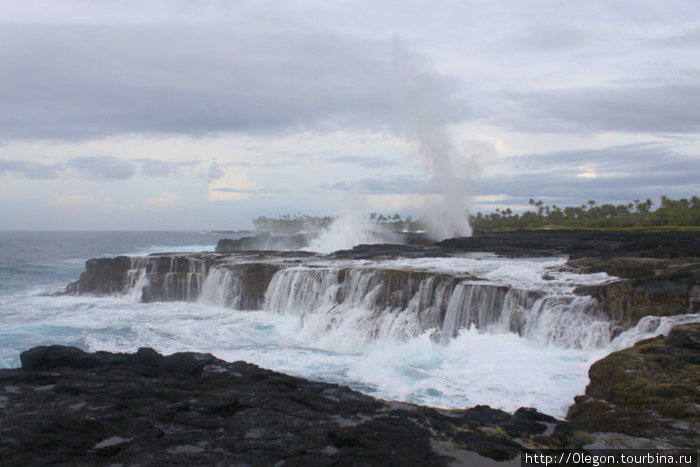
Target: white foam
[[477, 367], [502, 370], [344, 233], [147, 250], [356, 310], [382, 352], [651, 326]]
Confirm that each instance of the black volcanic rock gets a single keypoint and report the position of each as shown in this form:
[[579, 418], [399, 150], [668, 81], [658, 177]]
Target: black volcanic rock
[[102, 276], [384, 250], [533, 243], [582, 243], [648, 286], [265, 241], [68, 407], [647, 391]]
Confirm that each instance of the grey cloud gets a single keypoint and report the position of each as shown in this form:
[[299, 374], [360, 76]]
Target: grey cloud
[[83, 81], [102, 167], [389, 185], [634, 160], [624, 173], [214, 171], [656, 109], [234, 190], [690, 38], [546, 40], [91, 167], [370, 162], [33, 170], [156, 168]]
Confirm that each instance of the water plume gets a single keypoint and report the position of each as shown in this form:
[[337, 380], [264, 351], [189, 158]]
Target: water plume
[[423, 110], [353, 227]]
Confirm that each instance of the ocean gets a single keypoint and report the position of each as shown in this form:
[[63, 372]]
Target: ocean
[[305, 334]]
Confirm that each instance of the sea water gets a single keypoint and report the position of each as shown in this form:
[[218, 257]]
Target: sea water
[[493, 367]]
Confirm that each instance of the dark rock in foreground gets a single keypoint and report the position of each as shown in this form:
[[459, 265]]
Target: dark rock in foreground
[[648, 391], [65, 406]]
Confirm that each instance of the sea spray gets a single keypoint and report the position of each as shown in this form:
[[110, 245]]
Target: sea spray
[[477, 366], [424, 121], [420, 107], [352, 228], [650, 326], [354, 305], [344, 233]]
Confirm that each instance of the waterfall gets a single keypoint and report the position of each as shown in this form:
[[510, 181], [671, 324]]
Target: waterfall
[[208, 279], [651, 326], [367, 303], [300, 290], [403, 304], [569, 321], [165, 278], [222, 286], [136, 278]]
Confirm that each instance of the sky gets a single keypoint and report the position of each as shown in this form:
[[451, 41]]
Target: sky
[[202, 115]]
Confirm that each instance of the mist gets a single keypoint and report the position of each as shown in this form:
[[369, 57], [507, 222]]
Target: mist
[[421, 103], [423, 120]]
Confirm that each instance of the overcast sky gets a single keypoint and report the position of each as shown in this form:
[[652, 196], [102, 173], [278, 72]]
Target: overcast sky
[[204, 114]]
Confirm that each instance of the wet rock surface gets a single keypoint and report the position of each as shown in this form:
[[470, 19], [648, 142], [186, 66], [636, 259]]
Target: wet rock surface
[[102, 276], [649, 391], [113, 409], [265, 241], [68, 407], [573, 243], [582, 243], [647, 286]]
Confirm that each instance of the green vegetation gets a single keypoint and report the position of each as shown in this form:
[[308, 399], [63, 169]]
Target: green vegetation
[[292, 224], [302, 222], [682, 212], [638, 214], [396, 222]]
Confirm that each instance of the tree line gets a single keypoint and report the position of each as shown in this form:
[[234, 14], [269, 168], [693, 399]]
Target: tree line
[[301, 222], [682, 212], [670, 212]]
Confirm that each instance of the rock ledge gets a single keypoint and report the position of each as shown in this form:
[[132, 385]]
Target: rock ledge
[[66, 406]]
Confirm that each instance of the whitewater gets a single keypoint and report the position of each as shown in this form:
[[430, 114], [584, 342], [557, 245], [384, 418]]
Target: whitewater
[[534, 354]]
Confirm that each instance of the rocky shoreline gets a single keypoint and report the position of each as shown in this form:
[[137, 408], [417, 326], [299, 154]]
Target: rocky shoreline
[[649, 392], [69, 407], [658, 273], [65, 406]]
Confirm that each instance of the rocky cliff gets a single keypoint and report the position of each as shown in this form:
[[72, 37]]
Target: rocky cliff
[[658, 272], [176, 277], [68, 407], [646, 286], [650, 392]]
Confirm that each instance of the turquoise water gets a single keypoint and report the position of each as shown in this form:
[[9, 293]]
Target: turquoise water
[[499, 369]]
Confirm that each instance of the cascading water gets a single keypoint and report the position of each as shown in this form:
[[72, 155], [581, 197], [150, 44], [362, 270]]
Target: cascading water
[[222, 286], [567, 320], [369, 303], [136, 278], [423, 330], [519, 336], [166, 278], [402, 304]]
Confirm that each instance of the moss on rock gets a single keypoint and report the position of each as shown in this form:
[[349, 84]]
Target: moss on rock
[[651, 390]]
